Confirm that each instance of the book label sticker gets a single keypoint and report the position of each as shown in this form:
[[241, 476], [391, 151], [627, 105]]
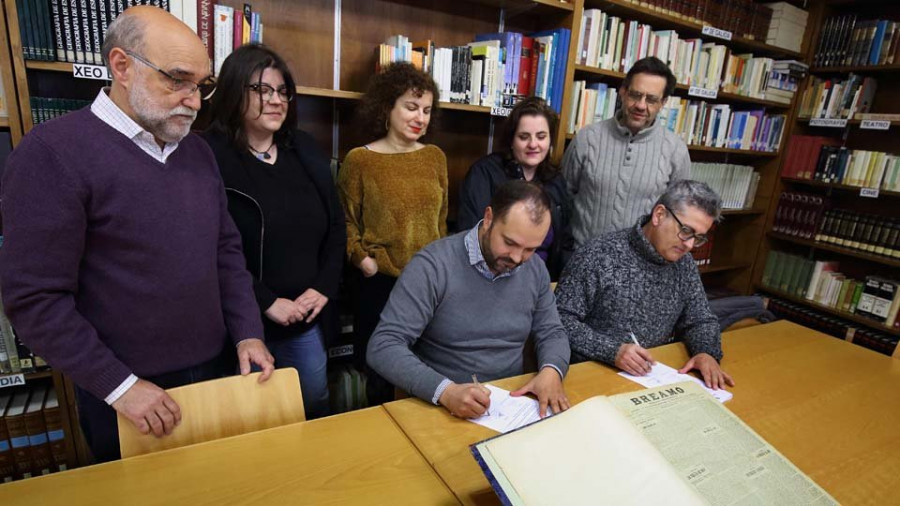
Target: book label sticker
[[871, 193], [98, 72], [340, 351], [696, 91], [716, 32], [12, 380], [828, 122], [500, 111], [875, 124]]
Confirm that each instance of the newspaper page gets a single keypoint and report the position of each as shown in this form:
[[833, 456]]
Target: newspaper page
[[713, 450]]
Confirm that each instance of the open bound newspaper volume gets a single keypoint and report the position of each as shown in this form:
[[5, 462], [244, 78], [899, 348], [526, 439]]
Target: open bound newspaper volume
[[673, 445]]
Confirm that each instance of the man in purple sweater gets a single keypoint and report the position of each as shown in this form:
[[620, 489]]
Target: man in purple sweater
[[121, 265]]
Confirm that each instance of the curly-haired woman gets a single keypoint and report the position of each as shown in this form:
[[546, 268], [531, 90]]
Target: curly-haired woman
[[394, 192]]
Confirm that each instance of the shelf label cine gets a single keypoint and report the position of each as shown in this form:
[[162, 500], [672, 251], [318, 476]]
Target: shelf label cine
[[500, 111], [875, 124], [871, 193], [828, 122], [12, 380], [98, 72], [716, 32], [696, 91]]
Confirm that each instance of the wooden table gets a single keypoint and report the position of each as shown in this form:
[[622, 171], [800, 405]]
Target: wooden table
[[354, 458], [831, 407]]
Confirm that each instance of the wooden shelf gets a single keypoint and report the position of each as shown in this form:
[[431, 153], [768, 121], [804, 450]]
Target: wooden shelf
[[663, 20], [824, 246], [836, 186], [743, 152], [865, 69], [709, 269], [356, 95], [325, 92], [807, 120], [31, 376], [830, 310], [52, 66], [682, 89], [742, 212]]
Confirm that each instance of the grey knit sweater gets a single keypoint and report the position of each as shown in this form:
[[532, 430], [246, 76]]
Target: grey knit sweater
[[446, 320], [618, 283], [615, 176]]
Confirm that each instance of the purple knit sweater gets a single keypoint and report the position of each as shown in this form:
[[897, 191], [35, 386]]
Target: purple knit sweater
[[114, 263]]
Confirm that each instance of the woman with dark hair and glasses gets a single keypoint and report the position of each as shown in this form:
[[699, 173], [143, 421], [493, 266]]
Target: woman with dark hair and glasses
[[394, 191], [282, 198], [524, 154]]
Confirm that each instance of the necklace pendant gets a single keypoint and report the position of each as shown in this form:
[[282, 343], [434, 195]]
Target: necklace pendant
[[265, 155]]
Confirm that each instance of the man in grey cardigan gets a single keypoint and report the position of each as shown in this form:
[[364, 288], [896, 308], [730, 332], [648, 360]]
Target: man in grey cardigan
[[466, 304], [616, 169], [642, 280]]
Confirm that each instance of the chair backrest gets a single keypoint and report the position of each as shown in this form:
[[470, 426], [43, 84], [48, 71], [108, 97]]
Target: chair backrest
[[221, 408]]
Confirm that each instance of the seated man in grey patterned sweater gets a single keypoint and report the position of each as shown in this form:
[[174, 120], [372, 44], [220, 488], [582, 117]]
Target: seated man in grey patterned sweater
[[642, 280], [466, 304]]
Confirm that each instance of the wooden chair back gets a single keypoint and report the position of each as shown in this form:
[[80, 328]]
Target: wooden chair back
[[221, 408]]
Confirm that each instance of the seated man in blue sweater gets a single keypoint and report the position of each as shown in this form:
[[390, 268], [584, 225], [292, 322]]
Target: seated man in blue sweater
[[641, 281], [466, 304]]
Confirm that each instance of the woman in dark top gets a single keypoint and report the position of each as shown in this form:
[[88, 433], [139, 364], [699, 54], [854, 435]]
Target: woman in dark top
[[282, 198], [525, 154]]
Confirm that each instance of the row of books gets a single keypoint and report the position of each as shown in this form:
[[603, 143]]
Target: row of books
[[491, 71], [799, 214], [74, 30], [32, 436], [837, 97], [44, 109], [787, 27], [821, 282], [784, 80], [15, 357], [849, 40], [741, 17], [820, 158], [701, 123], [864, 232], [591, 103], [833, 326], [735, 184], [611, 43]]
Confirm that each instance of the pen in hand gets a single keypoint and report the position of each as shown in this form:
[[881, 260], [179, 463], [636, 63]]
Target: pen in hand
[[633, 338], [487, 410]]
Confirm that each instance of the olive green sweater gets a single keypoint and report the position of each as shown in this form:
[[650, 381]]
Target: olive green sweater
[[394, 204]]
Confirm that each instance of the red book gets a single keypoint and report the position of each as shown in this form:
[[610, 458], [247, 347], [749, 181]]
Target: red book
[[238, 29], [535, 57], [525, 65]]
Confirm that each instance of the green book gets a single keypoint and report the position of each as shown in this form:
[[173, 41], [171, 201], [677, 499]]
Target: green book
[[770, 266], [790, 267], [780, 265], [845, 287], [857, 293]]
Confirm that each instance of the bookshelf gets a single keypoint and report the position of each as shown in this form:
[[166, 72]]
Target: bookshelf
[[855, 264], [12, 121]]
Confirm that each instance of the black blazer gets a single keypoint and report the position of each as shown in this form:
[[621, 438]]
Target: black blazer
[[247, 215], [491, 171]]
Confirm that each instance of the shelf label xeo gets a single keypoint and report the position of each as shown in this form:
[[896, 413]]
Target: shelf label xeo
[[98, 72]]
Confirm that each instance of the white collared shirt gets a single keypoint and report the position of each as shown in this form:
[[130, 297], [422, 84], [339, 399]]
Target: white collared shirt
[[104, 108]]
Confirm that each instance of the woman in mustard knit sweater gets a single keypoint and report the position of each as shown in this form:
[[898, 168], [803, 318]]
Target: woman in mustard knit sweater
[[394, 192]]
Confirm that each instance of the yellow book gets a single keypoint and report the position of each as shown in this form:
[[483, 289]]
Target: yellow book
[[672, 445]]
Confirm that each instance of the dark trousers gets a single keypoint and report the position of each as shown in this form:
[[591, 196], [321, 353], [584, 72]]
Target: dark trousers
[[98, 419], [372, 296]]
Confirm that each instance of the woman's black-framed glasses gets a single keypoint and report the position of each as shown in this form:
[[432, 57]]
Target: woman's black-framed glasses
[[266, 92], [207, 87], [686, 233]]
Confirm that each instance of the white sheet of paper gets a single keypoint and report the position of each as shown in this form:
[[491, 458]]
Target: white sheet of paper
[[661, 375], [508, 413]]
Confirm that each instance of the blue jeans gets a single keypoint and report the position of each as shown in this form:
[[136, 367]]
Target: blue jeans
[[306, 353]]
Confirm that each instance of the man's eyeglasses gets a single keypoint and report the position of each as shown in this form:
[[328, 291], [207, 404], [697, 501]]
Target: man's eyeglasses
[[207, 87], [266, 92], [686, 233], [636, 96]]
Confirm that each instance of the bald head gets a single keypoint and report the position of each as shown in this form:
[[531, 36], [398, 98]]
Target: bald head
[[145, 29]]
